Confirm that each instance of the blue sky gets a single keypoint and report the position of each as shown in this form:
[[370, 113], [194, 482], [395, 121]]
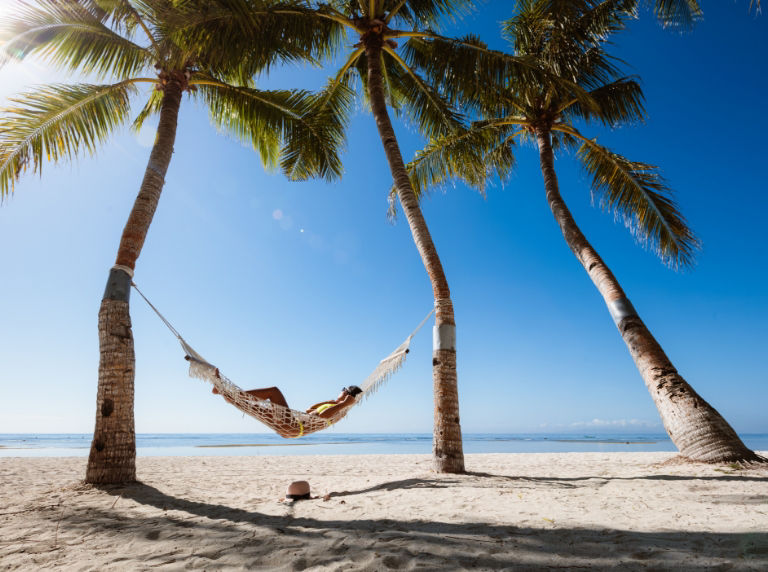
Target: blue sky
[[306, 285]]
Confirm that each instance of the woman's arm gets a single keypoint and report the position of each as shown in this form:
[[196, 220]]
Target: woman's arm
[[331, 411], [316, 405]]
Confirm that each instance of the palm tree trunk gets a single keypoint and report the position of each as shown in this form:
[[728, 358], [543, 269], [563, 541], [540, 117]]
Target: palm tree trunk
[[113, 450], [447, 446], [695, 427]]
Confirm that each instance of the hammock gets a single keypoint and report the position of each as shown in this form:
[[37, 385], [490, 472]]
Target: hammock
[[285, 421]]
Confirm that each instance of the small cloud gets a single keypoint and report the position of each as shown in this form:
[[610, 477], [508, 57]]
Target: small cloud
[[615, 423]]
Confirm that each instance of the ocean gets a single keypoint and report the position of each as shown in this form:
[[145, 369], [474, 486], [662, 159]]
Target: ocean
[[213, 444]]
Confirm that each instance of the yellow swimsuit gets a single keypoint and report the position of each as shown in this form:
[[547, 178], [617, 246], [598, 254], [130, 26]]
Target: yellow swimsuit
[[320, 409]]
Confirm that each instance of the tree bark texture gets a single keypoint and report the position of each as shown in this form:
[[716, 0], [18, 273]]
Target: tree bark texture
[[112, 457], [695, 427], [447, 445]]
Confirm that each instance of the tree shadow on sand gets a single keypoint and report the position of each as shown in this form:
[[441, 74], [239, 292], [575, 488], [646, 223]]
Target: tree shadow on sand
[[209, 531], [492, 481]]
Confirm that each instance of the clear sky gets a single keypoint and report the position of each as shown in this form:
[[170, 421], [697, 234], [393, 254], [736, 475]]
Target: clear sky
[[306, 285]]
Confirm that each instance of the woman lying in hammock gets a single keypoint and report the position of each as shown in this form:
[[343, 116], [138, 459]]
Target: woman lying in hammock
[[294, 427]]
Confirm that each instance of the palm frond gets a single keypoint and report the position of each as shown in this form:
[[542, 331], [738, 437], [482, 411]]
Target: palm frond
[[126, 15], [587, 24], [423, 103], [151, 108], [314, 144], [561, 141], [464, 67], [57, 122], [68, 35], [471, 74], [421, 14], [619, 102], [253, 116], [593, 68], [604, 18], [678, 13], [564, 36], [470, 155], [638, 194], [258, 34], [265, 119]]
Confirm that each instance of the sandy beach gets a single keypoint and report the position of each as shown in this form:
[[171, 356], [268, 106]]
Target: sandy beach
[[511, 511]]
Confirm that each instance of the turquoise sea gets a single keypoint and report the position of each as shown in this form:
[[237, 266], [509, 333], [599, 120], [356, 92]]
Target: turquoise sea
[[211, 444]]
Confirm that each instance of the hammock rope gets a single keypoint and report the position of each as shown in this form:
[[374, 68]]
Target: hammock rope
[[285, 421]]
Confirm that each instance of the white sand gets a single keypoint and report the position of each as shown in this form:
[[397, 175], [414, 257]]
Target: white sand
[[513, 511]]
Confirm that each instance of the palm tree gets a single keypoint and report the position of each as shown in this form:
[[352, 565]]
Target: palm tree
[[377, 25], [192, 47], [566, 37]]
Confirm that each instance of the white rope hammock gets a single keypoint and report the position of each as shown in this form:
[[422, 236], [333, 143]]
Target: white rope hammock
[[285, 421]]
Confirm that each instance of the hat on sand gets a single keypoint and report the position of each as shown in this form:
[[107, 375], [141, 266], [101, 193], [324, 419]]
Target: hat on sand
[[298, 490]]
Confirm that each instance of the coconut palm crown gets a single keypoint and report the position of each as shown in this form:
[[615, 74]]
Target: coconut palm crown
[[567, 38], [134, 43], [568, 46], [203, 48]]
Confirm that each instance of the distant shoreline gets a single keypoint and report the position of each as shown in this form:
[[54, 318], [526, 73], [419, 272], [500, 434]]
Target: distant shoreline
[[611, 441], [335, 443]]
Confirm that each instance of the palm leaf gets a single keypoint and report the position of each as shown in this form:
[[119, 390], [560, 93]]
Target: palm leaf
[[127, 15], [420, 100], [57, 122], [619, 102], [68, 35], [463, 155], [565, 37], [264, 119], [638, 194], [421, 14], [258, 34], [471, 74], [314, 144], [151, 108], [678, 13]]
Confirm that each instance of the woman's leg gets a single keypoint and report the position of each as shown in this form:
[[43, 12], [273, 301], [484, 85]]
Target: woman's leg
[[273, 394]]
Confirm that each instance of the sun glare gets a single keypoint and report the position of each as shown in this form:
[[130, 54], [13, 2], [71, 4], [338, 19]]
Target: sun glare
[[16, 76], [6, 6]]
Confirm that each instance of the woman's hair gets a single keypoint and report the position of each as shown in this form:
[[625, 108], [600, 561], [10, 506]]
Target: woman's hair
[[353, 390]]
